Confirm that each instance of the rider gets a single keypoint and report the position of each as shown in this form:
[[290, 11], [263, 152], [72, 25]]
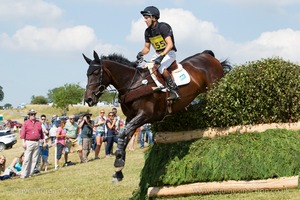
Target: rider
[[160, 35]]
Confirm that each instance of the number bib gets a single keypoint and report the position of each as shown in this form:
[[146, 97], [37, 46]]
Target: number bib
[[158, 42]]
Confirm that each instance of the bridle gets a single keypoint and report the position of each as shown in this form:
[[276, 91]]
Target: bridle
[[98, 83], [101, 91]]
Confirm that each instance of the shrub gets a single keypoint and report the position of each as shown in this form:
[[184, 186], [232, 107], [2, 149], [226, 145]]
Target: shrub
[[263, 91]]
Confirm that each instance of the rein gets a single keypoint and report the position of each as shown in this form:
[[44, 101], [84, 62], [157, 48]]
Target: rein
[[101, 88]]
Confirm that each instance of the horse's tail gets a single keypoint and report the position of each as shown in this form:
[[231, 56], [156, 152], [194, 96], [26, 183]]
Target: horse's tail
[[225, 64], [227, 67]]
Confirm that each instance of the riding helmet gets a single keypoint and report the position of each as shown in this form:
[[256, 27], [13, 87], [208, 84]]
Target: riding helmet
[[151, 11]]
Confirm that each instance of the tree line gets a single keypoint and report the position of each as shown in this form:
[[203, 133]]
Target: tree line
[[62, 97]]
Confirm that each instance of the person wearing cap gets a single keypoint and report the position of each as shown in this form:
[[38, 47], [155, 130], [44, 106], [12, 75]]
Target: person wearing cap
[[160, 36], [31, 133], [86, 126]]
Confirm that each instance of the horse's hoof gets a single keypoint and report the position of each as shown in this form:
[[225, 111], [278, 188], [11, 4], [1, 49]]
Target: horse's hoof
[[119, 163], [117, 176], [115, 180]]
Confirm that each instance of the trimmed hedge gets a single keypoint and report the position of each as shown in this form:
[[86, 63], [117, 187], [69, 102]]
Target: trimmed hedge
[[274, 153]]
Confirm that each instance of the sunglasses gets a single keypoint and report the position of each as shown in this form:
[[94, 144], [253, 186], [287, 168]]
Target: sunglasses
[[43, 119], [102, 112], [110, 115], [71, 118], [32, 114]]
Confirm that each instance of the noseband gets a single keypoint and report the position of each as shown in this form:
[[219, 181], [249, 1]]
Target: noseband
[[98, 83]]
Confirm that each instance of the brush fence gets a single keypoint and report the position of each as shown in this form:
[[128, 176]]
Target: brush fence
[[226, 186]]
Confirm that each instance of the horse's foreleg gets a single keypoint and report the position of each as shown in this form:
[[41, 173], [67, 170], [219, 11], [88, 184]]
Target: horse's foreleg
[[121, 154], [120, 151], [123, 139]]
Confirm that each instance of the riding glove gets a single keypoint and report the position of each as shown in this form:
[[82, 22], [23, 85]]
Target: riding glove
[[139, 56], [158, 59]]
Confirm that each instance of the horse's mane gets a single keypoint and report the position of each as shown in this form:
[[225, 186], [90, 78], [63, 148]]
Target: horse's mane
[[119, 58]]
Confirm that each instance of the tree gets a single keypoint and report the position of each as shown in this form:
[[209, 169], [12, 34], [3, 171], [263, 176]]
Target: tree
[[39, 100], [1, 93], [7, 106], [108, 96], [66, 95]]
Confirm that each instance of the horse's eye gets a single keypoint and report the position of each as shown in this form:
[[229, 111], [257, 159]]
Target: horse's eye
[[96, 72]]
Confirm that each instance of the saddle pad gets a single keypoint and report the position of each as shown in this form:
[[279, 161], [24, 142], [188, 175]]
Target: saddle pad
[[181, 77]]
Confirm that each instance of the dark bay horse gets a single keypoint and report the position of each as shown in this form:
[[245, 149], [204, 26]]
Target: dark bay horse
[[138, 102]]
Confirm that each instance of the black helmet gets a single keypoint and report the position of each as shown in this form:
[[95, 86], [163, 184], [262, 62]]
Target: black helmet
[[151, 11]]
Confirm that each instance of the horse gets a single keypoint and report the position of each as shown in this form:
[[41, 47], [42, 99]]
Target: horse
[[138, 102]]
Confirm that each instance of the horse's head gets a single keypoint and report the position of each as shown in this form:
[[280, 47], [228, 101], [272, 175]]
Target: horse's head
[[97, 81]]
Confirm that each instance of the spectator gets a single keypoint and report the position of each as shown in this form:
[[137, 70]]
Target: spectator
[[79, 138], [146, 130], [132, 140], [2, 164], [45, 128], [14, 169], [100, 132], [45, 155], [117, 118], [111, 133], [60, 141], [30, 134], [86, 126], [45, 125], [52, 131], [71, 137]]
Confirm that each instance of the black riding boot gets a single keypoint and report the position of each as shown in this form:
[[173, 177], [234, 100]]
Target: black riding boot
[[173, 89]]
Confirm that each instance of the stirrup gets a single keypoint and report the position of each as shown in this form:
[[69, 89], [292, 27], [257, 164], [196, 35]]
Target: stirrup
[[173, 97], [158, 88]]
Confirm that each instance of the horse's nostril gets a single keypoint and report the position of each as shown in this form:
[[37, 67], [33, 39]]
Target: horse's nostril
[[89, 101]]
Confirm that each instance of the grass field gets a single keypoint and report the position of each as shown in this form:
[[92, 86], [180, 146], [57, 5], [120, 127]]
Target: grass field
[[93, 180]]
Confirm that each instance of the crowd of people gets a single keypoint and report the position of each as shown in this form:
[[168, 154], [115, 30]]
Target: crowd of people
[[67, 135]]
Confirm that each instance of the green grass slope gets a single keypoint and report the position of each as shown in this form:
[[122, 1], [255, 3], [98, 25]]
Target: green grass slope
[[274, 153]]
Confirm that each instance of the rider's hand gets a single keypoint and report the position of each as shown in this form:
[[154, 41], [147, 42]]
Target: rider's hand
[[139, 56], [158, 60]]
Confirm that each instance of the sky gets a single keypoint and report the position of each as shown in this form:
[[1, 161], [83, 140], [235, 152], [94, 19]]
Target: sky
[[42, 41]]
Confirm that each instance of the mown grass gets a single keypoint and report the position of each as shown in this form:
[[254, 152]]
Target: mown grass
[[93, 180], [81, 181]]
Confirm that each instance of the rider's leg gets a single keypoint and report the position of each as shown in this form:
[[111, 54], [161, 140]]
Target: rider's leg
[[171, 85], [153, 73]]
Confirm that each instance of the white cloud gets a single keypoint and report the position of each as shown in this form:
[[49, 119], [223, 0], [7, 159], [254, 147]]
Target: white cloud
[[283, 43], [194, 35], [31, 38], [35, 9], [259, 3]]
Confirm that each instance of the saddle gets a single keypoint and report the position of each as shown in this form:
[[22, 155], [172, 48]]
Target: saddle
[[179, 74]]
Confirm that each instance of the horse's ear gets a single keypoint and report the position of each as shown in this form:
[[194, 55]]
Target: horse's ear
[[96, 57], [87, 59]]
